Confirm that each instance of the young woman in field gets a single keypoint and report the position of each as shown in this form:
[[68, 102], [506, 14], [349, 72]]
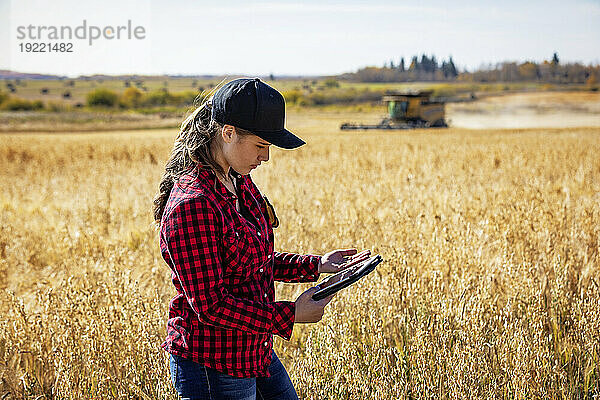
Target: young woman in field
[[216, 235]]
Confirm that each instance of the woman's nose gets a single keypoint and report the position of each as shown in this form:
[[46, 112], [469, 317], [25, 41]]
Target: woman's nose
[[264, 155]]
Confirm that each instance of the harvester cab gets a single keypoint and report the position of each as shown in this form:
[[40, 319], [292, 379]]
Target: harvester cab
[[408, 111]]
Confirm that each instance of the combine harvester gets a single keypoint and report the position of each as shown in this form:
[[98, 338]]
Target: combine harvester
[[408, 111]]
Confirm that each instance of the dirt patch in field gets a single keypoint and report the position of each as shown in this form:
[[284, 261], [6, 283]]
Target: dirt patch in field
[[528, 110]]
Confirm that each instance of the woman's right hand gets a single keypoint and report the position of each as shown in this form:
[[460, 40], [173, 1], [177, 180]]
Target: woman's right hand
[[309, 310]]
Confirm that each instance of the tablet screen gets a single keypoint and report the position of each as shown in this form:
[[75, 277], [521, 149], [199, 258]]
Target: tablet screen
[[348, 276]]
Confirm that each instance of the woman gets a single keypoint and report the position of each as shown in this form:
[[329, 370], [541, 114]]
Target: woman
[[216, 234]]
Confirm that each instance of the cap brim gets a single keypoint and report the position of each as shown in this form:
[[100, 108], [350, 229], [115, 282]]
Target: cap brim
[[284, 138]]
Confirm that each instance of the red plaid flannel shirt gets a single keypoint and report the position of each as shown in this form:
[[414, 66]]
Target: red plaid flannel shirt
[[225, 314]]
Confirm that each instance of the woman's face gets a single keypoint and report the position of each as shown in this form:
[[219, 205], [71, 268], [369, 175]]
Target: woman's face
[[243, 153]]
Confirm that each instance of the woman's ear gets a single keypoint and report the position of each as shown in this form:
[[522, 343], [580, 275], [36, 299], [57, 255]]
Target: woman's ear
[[227, 133]]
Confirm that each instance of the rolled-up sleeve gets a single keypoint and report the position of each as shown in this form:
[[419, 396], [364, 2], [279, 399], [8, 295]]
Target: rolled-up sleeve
[[193, 245]]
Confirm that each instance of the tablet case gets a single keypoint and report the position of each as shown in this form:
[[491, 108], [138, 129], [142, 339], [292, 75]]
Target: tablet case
[[368, 266]]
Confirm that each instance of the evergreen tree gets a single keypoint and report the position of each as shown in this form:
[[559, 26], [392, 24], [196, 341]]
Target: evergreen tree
[[425, 63], [452, 72]]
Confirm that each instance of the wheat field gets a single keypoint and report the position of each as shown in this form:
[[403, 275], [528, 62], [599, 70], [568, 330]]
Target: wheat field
[[489, 289]]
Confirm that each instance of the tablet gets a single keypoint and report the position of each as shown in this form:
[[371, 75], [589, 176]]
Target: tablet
[[357, 272]]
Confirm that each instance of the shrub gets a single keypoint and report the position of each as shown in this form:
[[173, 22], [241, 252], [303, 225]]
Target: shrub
[[163, 97], [102, 98], [184, 98], [157, 98], [132, 97], [17, 104], [333, 96], [331, 83], [292, 96]]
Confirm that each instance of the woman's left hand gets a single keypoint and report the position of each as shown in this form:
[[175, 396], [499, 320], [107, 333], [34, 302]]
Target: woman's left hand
[[337, 260]]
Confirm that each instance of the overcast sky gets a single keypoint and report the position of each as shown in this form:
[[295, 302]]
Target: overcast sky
[[295, 37]]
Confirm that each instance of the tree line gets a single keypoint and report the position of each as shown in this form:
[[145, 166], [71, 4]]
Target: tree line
[[428, 68]]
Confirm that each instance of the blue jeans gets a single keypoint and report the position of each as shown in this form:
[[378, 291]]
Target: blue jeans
[[194, 381]]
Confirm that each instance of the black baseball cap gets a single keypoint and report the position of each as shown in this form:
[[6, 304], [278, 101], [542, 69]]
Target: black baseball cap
[[254, 106]]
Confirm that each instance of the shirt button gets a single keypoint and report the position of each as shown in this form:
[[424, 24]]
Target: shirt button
[[259, 234], [266, 343], [261, 270], [265, 295], [269, 256]]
